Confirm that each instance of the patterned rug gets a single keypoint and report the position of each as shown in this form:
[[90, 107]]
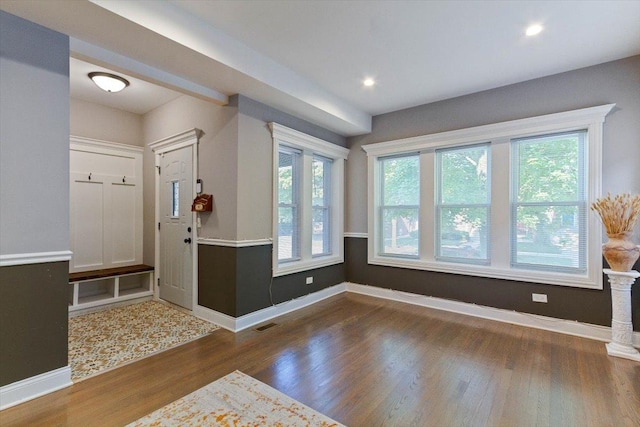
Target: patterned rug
[[235, 400], [110, 338]]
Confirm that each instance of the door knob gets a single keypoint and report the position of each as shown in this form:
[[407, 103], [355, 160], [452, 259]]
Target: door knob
[[187, 240]]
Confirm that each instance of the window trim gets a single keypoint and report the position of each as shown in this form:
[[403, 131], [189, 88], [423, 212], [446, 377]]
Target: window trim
[[309, 146], [498, 135]]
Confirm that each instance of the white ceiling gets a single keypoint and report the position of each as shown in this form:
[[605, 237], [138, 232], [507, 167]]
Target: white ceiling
[[309, 58], [139, 98], [425, 51]]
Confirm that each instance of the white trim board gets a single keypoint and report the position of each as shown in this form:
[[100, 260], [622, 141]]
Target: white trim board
[[36, 386], [569, 327], [79, 143], [255, 242], [234, 243], [238, 324], [356, 235], [34, 258], [513, 128], [177, 141]]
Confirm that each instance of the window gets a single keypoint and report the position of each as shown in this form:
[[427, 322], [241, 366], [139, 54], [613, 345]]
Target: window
[[400, 190], [508, 200], [321, 197], [463, 204], [549, 202], [175, 199], [288, 205], [308, 201]]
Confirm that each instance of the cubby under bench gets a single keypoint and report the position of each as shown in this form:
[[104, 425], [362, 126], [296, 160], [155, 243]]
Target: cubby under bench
[[100, 287]]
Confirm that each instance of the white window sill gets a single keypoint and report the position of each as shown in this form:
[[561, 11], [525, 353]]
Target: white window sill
[[532, 276], [298, 266]]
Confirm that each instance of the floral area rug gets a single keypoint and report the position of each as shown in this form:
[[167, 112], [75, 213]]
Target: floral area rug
[[235, 400], [110, 338]]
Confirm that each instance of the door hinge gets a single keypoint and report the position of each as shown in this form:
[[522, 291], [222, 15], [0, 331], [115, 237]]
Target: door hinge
[[158, 281], [158, 169], [158, 226]]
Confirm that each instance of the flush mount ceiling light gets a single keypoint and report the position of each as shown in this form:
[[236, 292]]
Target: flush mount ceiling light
[[533, 30], [368, 82], [108, 82]]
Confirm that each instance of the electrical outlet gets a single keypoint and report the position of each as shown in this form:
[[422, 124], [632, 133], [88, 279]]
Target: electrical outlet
[[309, 280], [539, 297]]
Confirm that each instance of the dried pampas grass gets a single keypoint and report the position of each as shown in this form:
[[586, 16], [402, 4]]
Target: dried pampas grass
[[620, 213]]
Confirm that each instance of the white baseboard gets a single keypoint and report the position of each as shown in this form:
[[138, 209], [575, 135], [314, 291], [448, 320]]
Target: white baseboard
[[39, 385], [238, 324], [223, 320], [569, 327], [30, 388]]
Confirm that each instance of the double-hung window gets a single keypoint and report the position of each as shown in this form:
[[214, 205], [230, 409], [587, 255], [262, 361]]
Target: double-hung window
[[463, 204], [549, 205], [321, 199], [400, 205], [508, 200], [308, 201], [288, 204]]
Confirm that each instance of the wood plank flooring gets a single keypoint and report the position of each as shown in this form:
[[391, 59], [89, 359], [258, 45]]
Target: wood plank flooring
[[369, 362]]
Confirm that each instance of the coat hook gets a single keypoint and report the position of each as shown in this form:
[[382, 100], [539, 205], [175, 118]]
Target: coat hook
[[89, 176], [123, 179]]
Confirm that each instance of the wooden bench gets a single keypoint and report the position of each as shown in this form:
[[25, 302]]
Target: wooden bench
[[100, 287]]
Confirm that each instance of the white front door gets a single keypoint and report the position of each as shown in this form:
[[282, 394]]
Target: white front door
[[176, 227]]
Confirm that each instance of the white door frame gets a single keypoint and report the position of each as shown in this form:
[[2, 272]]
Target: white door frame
[[181, 140]]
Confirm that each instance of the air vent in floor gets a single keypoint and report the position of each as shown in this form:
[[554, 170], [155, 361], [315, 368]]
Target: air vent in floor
[[265, 327]]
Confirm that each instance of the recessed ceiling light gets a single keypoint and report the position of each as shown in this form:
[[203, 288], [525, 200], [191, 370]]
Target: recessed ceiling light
[[108, 82], [368, 82], [533, 30]]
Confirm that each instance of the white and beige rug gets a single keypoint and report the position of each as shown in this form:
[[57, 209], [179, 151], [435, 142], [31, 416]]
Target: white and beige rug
[[110, 338], [235, 400]]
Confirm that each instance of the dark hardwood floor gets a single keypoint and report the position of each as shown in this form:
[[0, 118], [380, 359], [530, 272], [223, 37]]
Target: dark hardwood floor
[[369, 362]]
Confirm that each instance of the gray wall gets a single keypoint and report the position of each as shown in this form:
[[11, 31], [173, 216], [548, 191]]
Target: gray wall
[[34, 197], [235, 163], [96, 121], [217, 166], [34, 138], [614, 82], [255, 163], [236, 281], [33, 320]]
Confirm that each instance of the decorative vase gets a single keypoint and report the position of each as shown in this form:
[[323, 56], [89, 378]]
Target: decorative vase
[[620, 252]]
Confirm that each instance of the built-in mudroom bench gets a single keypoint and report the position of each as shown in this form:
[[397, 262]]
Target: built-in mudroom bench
[[106, 225], [107, 286]]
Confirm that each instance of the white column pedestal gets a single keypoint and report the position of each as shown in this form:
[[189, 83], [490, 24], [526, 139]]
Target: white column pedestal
[[621, 325]]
